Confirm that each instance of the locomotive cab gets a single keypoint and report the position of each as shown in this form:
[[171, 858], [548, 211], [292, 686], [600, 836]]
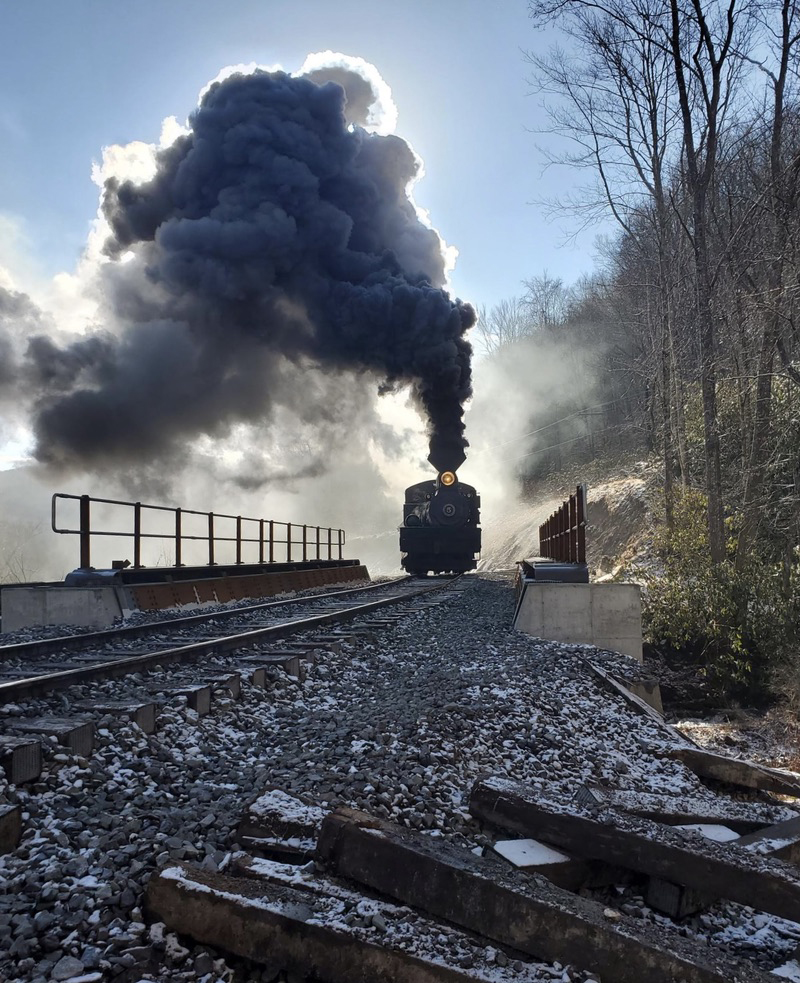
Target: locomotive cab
[[440, 531]]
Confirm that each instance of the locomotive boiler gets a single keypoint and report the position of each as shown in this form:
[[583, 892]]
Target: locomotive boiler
[[440, 531]]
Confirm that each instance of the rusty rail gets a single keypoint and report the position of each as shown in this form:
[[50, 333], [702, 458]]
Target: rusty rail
[[311, 542], [563, 536]]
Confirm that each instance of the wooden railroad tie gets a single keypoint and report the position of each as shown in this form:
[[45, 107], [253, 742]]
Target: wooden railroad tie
[[258, 910], [198, 698], [733, 771], [20, 758], [142, 714], [717, 870], [289, 662], [10, 827], [73, 734], [271, 924], [530, 915]]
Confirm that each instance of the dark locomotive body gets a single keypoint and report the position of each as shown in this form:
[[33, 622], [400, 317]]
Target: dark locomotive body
[[440, 531]]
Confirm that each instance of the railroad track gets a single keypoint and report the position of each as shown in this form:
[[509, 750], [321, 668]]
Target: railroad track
[[79, 639], [33, 669], [400, 733]]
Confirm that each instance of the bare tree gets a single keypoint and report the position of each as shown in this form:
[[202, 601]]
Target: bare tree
[[704, 45], [780, 198], [615, 103], [505, 323], [19, 559], [646, 101], [546, 300]]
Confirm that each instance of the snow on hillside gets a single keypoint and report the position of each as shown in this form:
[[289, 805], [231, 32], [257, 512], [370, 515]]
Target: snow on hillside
[[619, 526]]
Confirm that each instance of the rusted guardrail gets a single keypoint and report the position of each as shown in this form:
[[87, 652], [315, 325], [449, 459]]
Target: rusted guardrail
[[313, 542], [563, 536]]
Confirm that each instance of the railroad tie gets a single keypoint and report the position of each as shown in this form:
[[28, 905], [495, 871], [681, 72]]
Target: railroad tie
[[141, 714], [198, 698], [20, 758], [73, 734], [289, 662], [227, 681], [10, 827]]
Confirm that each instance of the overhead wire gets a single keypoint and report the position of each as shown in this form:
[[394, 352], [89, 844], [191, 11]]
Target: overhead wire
[[563, 419], [555, 423], [571, 440]]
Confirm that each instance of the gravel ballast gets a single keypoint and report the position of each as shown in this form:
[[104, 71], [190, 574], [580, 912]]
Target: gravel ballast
[[400, 728]]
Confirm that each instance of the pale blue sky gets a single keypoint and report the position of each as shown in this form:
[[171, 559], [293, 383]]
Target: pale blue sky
[[78, 75]]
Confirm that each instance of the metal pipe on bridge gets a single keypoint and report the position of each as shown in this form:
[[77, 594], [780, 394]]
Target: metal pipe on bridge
[[266, 535]]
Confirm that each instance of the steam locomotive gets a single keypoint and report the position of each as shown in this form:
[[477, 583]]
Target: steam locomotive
[[440, 531]]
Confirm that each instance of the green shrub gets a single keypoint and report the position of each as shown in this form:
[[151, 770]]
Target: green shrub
[[740, 624]]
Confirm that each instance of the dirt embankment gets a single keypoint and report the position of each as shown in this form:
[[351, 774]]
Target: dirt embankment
[[620, 523]]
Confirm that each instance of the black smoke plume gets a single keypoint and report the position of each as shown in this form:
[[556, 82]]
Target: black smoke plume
[[276, 239], [21, 321]]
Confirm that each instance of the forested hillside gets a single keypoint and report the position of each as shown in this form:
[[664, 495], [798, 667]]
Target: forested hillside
[[684, 342]]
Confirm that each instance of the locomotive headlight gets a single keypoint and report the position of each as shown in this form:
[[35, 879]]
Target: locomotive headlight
[[447, 478]]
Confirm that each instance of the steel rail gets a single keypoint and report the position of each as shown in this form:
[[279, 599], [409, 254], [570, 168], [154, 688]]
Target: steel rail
[[38, 685], [46, 646]]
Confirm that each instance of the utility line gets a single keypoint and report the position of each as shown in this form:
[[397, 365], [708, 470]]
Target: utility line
[[583, 436], [563, 419]]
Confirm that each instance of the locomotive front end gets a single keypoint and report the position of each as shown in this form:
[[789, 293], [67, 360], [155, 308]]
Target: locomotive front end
[[440, 531]]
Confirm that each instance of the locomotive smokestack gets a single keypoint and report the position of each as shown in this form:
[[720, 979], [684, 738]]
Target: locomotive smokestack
[[275, 237], [446, 454]]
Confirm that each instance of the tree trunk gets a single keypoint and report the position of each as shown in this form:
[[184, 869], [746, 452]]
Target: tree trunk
[[666, 414], [678, 402], [754, 476], [713, 468]]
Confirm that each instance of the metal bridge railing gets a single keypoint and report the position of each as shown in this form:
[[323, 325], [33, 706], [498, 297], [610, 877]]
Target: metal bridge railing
[[272, 537], [563, 536]]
